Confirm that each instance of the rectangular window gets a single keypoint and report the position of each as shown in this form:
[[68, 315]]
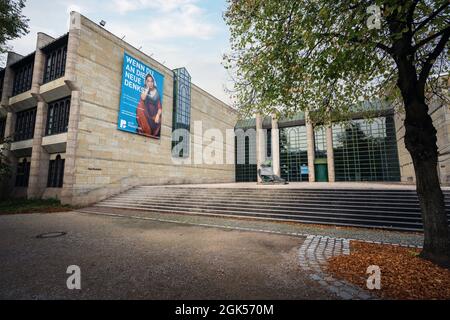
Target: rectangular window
[[56, 173], [23, 76], [25, 121], [56, 56], [182, 111], [2, 78], [23, 173], [58, 116], [2, 129]]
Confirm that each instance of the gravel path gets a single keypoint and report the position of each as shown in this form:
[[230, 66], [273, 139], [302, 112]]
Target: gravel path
[[140, 259], [363, 234]]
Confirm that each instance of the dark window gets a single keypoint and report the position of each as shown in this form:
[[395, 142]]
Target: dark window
[[23, 173], [2, 78], [55, 64], [245, 160], [23, 76], [58, 116], [269, 143], [2, 129], [182, 109], [56, 173], [25, 121]]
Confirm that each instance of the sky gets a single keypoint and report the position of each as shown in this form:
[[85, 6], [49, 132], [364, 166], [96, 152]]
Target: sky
[[177, 33]]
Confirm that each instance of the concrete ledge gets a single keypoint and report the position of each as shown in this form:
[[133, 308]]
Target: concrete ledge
[[55, 143], [22, 101], [22, 148], [54, 90]]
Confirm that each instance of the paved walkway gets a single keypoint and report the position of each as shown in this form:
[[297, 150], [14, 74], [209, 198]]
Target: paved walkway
[[313, 255]]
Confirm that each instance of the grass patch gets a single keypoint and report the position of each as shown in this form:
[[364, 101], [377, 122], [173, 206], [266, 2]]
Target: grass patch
[[16, 206]]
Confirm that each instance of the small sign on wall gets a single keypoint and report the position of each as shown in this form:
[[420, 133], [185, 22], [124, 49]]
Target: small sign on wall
[[141, 99]]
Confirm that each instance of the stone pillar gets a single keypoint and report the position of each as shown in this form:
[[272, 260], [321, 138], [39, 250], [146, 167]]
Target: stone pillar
[[67, 193], [9, 132], [39, 156], [311, 148], [39, 62], [260, 144], [275, 146], [330, 154], [9, 78], [70, 78]]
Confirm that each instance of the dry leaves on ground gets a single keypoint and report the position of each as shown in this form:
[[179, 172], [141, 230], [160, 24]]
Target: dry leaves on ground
[[403, 274]]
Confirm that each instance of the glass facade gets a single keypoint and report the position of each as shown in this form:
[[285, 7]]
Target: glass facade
[[366, 150], [320, 142], [245, 151], [182, 111], [294, 154]]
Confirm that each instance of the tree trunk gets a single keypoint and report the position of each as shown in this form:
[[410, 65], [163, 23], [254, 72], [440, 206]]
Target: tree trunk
[[420, 140]]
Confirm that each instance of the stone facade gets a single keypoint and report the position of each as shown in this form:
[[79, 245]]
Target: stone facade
[[100, 160]]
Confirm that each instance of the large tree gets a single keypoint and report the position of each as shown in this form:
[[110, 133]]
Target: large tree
[[12, 23], [327, 56]]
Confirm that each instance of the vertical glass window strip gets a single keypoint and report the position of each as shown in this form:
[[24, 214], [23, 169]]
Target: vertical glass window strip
[[56, 57], [246, 171], [2, 78], [58, 116], [23, 76], [23, 173], [56, 173], [2, 129], [366, 150], [320, 142], [182, 109], [269, 143], [294, 153], [25, 122]]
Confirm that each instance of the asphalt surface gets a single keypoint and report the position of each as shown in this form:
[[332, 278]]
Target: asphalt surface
[[122, 258]]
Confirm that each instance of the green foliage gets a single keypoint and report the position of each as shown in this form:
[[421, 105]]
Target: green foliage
[[321, 56], [12, 23], [5, 166], [15, 206]]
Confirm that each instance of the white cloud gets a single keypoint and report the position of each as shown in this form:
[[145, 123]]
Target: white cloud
[[170, 18]]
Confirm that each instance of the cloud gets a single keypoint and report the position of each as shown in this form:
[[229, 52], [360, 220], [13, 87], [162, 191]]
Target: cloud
[[125, 6], [170, 18]]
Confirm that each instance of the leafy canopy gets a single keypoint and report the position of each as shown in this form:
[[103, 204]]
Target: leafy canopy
[[12, 23], [329, 56]]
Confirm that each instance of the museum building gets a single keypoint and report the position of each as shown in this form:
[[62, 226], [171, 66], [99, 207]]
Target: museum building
[[90, 116]]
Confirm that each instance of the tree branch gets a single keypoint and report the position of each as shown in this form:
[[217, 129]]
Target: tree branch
[[431, 17], [428, 39], [425, 72]]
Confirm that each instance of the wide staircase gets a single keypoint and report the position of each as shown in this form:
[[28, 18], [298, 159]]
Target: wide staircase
[[382, 208]]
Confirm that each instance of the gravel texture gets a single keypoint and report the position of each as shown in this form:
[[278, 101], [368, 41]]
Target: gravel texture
[[141, 259], [363, 234]]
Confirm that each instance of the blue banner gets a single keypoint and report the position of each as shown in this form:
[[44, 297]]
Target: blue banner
[[141, 98]]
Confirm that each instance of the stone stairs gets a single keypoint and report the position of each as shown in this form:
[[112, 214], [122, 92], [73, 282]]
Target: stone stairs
[[374, 208]]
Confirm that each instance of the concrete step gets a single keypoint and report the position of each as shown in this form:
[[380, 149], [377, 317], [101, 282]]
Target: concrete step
[[389, 209]]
